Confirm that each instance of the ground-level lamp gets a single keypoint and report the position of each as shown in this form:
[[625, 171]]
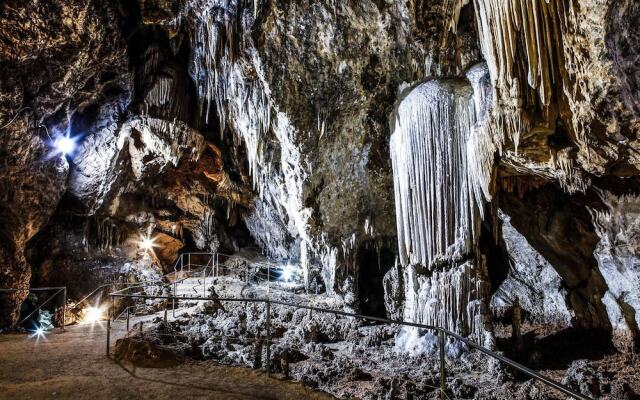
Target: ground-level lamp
[[39, 333], [93, 315]]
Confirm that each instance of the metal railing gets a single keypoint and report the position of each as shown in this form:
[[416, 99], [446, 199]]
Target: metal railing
[[58, 290], [442, 334], [185, 267]]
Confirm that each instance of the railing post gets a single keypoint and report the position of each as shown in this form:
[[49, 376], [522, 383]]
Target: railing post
[[268, 337], [442, 371], [268, 278], [128, 311], [109, 327], [64, 308], [175, 293]]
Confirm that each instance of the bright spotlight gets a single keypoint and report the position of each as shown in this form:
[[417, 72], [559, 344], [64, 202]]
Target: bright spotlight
[[287, 273], [147, 243], [39, 333], [65, 144], [93, 315]]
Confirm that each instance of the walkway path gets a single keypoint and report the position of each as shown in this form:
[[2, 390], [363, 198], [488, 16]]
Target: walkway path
[[72, 365]]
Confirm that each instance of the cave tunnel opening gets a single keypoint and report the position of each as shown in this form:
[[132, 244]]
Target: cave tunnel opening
[[492, 246], [373, 263]]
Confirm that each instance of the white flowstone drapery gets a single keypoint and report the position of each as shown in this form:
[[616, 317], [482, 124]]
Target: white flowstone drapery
[[442, 161]]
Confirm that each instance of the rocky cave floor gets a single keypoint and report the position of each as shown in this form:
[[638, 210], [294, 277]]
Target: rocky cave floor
[[356, 359]]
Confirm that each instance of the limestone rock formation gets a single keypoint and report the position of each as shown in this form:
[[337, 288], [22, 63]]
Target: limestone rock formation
[[410, 158], [54, 58], [531, 281]]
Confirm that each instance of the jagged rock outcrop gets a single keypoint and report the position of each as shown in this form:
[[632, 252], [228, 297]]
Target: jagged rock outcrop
[[531, 281], [559, 228], [618, 257]]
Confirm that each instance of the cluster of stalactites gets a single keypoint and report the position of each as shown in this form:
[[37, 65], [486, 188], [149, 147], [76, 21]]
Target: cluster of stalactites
[[220, 74], [214, 41], [439, 157], [535, 25], [107, 234], [522, 42]]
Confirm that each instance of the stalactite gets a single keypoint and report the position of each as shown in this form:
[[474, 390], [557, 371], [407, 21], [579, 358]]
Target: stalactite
[[442, 156], [519, 185], [107, 234], [209, 223], [534, 65], [217, 42], [238, 87], [570, 176], [433, 189], [86, 226]]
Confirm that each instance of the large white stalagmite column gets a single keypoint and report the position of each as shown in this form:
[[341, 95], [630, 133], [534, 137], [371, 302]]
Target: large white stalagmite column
[[440, 156]]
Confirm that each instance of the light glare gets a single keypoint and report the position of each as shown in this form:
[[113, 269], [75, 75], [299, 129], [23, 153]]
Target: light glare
[[147, 243], [65, 144], [287, 273], [39, 333], [93, 315]]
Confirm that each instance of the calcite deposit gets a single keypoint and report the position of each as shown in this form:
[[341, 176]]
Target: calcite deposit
[[440, 161]]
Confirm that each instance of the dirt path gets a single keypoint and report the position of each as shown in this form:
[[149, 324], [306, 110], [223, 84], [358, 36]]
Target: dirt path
[[73, 365]]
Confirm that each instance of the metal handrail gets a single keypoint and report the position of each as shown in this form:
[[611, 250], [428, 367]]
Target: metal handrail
[[442, 332], [94, 291], [58, 289]]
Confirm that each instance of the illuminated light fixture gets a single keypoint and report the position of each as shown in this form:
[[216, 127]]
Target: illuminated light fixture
[[287, 273], [39, 333], [147, 243], [93, 315], [65, 144]]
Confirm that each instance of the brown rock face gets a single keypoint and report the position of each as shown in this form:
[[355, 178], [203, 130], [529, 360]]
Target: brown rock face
[[53, 58], [146, 354]]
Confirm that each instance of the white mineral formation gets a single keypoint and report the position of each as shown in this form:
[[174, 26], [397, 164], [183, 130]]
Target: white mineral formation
[[532, 280], [436, 187], [441, 167], [618, 256]]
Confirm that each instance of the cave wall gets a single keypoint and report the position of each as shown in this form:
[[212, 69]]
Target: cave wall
[[214, 124], [531, 280], [319, 151], [53, 57], [143, 165]]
